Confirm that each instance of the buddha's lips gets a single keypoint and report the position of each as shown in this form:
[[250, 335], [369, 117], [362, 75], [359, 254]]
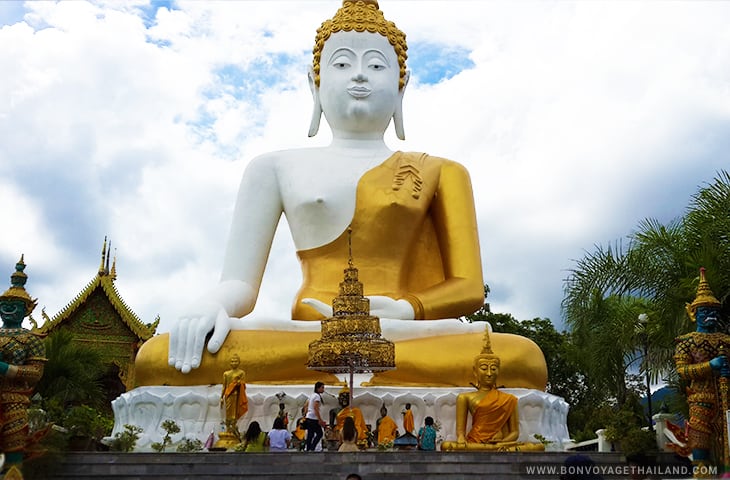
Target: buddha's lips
[[359, 92]]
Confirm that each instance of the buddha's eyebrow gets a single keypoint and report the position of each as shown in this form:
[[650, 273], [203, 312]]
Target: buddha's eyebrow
[[342, 50], [377, 52]]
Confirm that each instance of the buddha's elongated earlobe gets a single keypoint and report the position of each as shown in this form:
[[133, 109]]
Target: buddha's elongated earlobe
[[398, 113], [317, 107]]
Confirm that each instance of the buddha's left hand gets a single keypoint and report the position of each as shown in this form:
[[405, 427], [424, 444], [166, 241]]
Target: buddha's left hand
[[380, 306]]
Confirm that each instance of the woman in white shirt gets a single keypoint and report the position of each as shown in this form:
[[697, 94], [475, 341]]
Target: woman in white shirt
[[279, 436]]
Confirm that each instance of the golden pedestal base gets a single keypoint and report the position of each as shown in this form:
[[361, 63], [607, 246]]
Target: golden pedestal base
[[226, 440], [493, 447]]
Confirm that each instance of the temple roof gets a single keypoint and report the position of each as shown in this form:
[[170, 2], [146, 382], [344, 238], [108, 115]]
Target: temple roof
[[103, 280]]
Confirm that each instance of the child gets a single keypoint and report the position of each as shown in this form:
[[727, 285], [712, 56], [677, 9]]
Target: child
[[427, 436], [348, 436]]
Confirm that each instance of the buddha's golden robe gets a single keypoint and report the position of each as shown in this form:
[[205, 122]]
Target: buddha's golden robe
[[236, 401], [360, 425], [490, 415], [386, 430], [414, 237]]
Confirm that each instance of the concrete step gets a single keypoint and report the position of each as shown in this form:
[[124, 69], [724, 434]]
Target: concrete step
[[405, 465]]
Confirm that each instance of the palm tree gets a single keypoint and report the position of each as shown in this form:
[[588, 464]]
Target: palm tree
[[71, 375], [656, 274]]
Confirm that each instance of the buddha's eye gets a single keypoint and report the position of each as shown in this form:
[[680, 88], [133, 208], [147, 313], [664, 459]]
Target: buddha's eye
[[341, 62]]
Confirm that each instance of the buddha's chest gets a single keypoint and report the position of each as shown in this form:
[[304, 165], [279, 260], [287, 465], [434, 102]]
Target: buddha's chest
[[317, 193]]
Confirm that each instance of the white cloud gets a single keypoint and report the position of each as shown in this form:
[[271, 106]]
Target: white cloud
[[576, 120]]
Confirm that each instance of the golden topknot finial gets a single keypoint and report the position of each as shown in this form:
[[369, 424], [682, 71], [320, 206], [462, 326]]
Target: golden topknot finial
[[361, 16], [487, 352], [704, 298]]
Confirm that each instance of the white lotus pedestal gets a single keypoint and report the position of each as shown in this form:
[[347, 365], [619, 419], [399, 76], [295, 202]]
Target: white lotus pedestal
[[197, 409]]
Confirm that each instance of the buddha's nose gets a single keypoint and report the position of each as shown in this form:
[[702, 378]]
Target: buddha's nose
[[360, 77]]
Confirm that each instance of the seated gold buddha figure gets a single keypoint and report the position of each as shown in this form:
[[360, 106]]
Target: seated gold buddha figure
[[348, 410], [414, 238], [495, 421]]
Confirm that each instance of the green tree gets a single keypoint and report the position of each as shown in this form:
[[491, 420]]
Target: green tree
[[71, 374]]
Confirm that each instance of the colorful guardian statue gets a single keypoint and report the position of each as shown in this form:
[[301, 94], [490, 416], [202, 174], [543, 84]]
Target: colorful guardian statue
[[22, 356], [494, 416], [701, 361]]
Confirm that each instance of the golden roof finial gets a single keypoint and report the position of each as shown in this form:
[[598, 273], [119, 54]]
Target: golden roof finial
[[113, 272], [108, 258], [103, 257], [704, 298]]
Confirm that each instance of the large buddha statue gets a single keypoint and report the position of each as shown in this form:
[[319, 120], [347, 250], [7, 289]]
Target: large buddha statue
[[414, 238]]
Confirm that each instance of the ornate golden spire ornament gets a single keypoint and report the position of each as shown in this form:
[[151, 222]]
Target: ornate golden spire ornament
[[704, 298], [113, 272], [103, 257], [361, 16], [487, 346], [351, 339]]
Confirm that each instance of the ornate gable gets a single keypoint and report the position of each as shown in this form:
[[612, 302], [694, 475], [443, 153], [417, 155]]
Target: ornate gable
[[99, 318]]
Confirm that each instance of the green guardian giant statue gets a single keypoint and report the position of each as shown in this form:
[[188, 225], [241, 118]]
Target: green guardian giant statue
[[22, 356]]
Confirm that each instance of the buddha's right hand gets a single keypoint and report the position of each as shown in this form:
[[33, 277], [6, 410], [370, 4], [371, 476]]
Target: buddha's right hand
[[187, 338]]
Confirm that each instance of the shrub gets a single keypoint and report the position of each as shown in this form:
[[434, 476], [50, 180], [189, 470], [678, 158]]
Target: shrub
[[126, 441]]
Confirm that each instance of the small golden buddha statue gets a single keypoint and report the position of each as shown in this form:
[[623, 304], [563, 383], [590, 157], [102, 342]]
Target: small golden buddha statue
[[495, 421], [233, 401], [354, 412]]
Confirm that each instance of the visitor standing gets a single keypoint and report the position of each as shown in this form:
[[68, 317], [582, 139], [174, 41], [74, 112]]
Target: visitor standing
[[314, 418]]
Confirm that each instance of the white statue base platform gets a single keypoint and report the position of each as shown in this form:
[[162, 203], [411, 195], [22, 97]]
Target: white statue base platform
[[197, 410]]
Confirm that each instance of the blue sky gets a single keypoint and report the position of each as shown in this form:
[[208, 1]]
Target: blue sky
[[135, 120]]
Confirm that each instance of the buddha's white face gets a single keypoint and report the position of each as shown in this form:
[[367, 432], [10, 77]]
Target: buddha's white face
[[359, 75]]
